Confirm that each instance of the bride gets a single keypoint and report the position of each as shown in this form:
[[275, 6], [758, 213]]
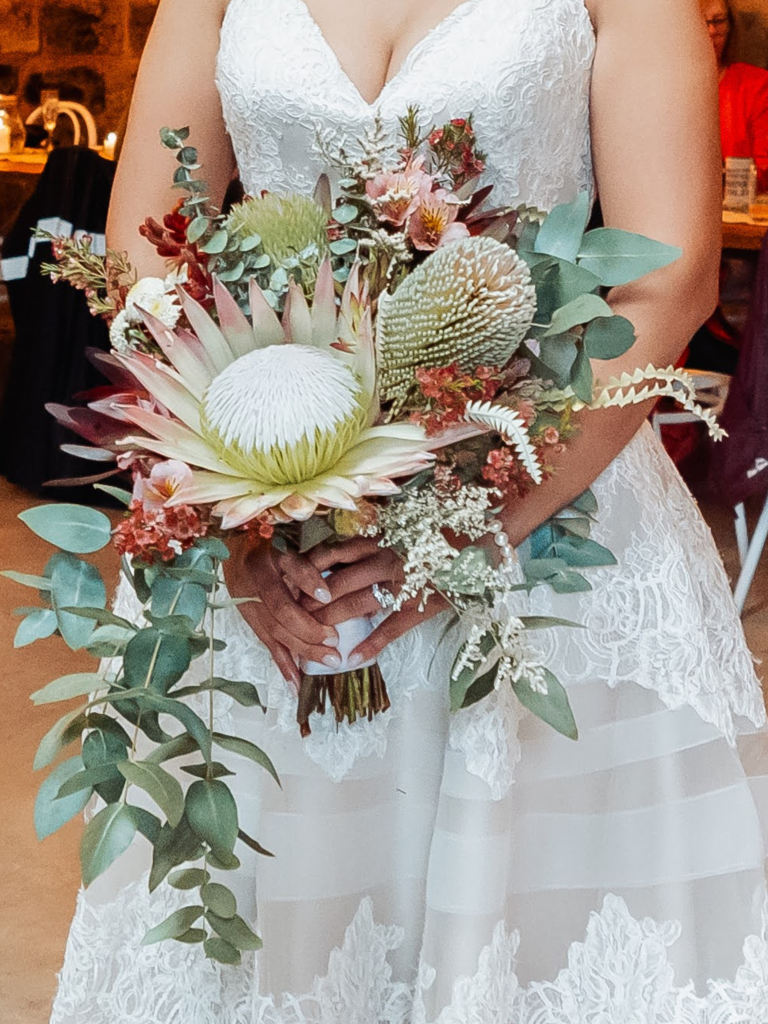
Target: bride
[[479, 868]]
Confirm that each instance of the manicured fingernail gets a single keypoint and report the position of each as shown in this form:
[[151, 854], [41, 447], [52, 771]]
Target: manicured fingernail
[[332, 661], [355, 660], [323, 595], [331, 641]]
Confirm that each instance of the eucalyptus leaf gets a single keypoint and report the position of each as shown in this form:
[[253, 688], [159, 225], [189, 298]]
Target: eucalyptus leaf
[[103, 747], [579, 311], [103, 616], [221, 951], [219, 899], [118, 493], [563, 229], [39, 624], [482, 686], [197, 229], [249, 243], [609, 338], [547, 622], [192, 937], [74, 584], [52, 812], [216, 244], [235, 931], [174, 846], [109, 641], [212, 814], [179, 922], [214, 770], [85, 780], [65, 688], [461, 682], [75, 528], [582, 379], [146, 822], [106, 837], [245, 748], [189, 878], [345, 213], [179, 746], [253, 844], [554, 708], [65, 731], [343, 246], [156, 660], [26, 580], [619, 257], [159, 784], [233, 274]]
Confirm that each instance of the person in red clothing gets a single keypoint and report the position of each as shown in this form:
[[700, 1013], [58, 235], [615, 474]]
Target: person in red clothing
[[743, 95]]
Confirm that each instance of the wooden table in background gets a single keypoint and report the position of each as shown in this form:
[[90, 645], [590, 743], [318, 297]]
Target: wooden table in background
[[747, 237]]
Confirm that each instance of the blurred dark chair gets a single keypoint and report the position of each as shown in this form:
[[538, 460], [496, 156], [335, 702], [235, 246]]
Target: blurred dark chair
[[739, 464], [52, 323]]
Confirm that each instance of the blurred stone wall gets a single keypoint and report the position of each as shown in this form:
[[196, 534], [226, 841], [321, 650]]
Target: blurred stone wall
[[88, 49], [750, 39]]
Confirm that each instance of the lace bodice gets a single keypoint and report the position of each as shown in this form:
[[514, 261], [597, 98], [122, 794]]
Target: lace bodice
[[663, 619], [522, 69]]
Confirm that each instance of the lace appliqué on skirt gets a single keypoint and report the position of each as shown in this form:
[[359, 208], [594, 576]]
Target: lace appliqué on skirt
[[619, 973]]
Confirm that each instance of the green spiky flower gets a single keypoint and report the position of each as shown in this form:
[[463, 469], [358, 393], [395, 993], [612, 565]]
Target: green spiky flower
[[292, 229]]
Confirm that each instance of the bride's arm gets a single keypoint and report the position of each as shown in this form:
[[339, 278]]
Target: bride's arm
[[658, 166], [657, 160], [175, 87]]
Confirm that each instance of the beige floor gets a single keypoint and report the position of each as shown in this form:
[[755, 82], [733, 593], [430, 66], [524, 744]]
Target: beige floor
[[38, 881]]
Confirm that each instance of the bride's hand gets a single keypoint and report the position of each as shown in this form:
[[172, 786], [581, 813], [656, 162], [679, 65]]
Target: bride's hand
[[365, 565], [290, 632]]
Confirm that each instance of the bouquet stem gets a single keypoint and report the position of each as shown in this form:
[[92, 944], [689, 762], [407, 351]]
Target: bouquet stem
[[358, 693]]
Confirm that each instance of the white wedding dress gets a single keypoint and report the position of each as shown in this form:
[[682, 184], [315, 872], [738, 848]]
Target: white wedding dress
[[478, 869]]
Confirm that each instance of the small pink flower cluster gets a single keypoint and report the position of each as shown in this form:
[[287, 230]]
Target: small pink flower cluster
[[447, 390], [153, 531], [411, 199]]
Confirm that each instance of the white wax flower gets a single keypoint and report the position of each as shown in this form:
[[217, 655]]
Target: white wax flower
[[152, 295]]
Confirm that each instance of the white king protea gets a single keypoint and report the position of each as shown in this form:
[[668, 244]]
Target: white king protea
[[270, 414]]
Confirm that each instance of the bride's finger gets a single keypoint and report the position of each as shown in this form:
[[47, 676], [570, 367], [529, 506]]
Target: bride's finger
[[281, 654], [383, 567], [351, 606], [303, 576], [325, 556], [392, 628]]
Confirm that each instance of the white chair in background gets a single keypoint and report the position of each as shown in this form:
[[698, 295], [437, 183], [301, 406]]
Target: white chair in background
[[712, 391], [76, 112]]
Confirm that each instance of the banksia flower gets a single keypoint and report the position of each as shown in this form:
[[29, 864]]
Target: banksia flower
[[290, 227], [471, 302]]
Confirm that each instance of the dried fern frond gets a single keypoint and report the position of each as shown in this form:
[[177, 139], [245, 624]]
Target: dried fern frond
[[625, 390], [511, 426]]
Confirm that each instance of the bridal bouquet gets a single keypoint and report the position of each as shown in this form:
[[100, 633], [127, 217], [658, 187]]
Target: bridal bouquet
[[390, 358]]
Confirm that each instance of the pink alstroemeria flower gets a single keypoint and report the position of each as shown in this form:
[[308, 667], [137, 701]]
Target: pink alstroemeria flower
[[162, 483], [433, 222], [395, 195]]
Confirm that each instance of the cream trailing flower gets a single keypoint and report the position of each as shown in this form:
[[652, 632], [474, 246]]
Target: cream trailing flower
[[470, 302], [267, 425], [624, 390]]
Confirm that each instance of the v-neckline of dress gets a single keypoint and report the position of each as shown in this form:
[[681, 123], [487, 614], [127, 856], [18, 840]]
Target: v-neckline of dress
[[411, 56]]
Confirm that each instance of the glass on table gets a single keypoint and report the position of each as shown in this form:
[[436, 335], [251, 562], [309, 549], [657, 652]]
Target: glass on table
[[49, 105]]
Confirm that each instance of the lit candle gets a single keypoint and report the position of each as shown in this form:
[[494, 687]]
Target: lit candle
[[109, 145], [5, 134]]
